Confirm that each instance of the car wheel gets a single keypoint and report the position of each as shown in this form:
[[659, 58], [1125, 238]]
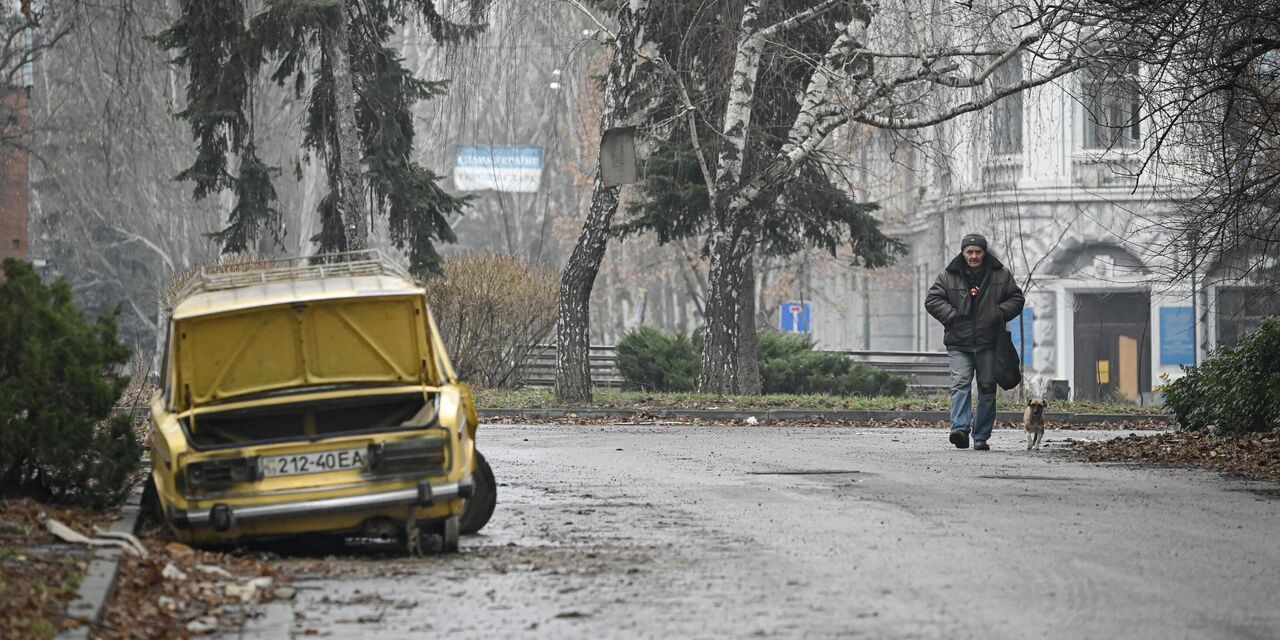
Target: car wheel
[[479, 507], [441, 537], [452, 527]]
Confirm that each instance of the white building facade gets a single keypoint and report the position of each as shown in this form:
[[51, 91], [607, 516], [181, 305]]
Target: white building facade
[[1049, 177]]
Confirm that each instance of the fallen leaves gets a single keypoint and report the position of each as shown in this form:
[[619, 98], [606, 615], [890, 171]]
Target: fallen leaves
[[176, 592], [38, 576], [1256, 456], [179, 591]]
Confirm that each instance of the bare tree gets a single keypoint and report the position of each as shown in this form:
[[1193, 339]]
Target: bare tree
[[1207, 76], [105, 211], [867, 73]]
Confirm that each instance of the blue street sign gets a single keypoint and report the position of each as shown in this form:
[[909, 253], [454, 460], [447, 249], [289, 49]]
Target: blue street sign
[[794, 317], [1177, 336]]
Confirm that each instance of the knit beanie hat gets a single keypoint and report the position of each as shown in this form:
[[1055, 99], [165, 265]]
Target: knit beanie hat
[[973, 239]]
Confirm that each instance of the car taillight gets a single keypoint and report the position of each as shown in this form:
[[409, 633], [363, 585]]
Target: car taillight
[[417, 455], [222, 473]]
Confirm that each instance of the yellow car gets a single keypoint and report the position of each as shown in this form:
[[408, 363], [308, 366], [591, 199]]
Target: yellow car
[[313, 396]]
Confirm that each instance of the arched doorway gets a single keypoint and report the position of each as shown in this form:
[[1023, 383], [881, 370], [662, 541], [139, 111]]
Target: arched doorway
[[1111, 322]]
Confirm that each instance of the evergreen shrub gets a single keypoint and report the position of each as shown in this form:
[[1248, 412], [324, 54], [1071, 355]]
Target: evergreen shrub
[[788, 364], [1235, 390], [58, 441], [654, 361], [650, 359]]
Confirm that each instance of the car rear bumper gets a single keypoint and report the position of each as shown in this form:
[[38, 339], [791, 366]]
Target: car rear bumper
[[222, 517]]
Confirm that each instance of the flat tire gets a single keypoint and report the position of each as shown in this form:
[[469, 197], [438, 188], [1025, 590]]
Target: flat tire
[[479, 507]]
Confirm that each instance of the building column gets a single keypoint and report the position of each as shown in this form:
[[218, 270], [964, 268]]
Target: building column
[[1044, 322]]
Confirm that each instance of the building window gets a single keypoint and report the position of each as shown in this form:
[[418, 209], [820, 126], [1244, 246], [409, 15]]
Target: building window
[[1109, 95], [17, 244], [1006, 113]]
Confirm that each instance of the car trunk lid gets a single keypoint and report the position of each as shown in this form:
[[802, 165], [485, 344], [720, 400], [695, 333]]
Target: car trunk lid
[[368, 340]]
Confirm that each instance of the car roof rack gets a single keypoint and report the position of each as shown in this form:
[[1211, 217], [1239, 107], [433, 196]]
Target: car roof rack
[[219, 277]]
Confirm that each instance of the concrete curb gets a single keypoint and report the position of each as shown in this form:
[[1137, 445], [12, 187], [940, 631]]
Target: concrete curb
[[781, 415], [785, 415], [99, 582]]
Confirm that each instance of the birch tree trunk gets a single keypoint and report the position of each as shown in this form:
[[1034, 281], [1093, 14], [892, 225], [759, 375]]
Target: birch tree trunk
[[748, 363], [355, 220], [721, 353], [726, 366], [573, 372]]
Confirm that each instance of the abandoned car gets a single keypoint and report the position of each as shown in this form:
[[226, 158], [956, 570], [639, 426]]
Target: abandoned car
[[313, 396]]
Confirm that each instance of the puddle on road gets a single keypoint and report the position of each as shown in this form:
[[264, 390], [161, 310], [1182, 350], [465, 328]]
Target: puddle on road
[[1017, 477], [809, 472]]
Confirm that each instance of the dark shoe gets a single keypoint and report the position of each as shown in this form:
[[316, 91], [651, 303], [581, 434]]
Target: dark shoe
[[981, 445], [960, 439]]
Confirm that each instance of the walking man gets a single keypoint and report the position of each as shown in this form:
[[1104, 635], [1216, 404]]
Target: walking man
[[973, 298]]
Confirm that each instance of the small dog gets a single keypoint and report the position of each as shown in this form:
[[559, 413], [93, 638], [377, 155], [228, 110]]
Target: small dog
[[1033, 420]]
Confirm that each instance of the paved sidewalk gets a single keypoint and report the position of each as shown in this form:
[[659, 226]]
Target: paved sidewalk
[[99, 580]]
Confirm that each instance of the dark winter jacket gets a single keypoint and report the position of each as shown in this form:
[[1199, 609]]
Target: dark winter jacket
[[974, 322]]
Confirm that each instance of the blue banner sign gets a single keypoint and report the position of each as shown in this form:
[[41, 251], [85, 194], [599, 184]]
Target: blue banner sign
[[794, 317], [1177, 336], [497, 167]]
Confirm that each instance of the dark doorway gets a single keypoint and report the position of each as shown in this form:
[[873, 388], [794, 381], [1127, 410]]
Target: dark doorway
[[1113, 346]]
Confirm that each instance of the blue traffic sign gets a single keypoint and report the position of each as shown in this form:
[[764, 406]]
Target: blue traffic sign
[[795, 317]]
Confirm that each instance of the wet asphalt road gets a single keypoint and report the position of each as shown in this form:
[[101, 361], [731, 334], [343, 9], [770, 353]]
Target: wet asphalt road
[[815, 532]]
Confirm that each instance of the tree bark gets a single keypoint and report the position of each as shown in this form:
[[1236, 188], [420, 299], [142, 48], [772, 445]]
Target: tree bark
[[721, 356], [573, 372], [726, 366], [355, 220], [573, 364], [721, 359], [748, 362]]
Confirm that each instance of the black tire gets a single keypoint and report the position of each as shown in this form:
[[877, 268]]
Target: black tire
[[479, 507], [440, 537], [149, 504], [449, 532]]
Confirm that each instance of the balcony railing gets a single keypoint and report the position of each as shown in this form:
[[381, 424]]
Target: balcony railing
[[1094, 170], [1002, 172]]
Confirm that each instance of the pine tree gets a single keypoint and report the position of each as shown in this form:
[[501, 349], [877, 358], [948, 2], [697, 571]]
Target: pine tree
[[810, 211], [359, 121], [58, 441]]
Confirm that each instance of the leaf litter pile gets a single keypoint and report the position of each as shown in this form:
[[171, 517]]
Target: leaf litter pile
[[38, 575], [178, 591], [173, 592], [1255, 457]]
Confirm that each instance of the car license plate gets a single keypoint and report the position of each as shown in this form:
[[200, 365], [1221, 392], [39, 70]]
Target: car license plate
[[319, 462]]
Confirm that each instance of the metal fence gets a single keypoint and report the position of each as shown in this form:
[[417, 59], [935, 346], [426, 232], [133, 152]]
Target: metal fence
[[926, 371]]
